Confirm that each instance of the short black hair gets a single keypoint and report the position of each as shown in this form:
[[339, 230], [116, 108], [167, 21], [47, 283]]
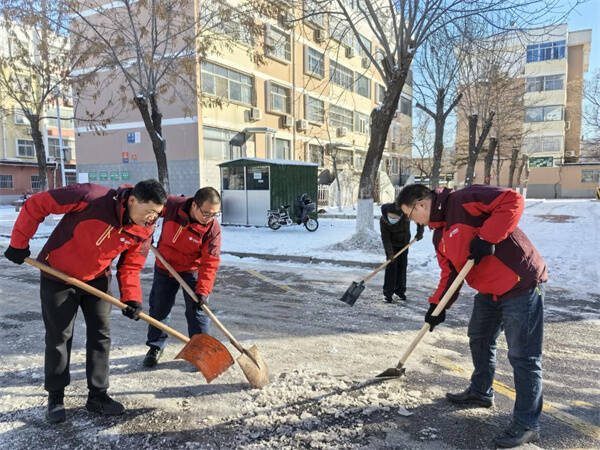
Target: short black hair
[[207, 194], [150, 191], [412, 193]]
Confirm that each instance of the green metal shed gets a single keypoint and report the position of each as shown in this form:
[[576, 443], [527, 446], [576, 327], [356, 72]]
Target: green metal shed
[[251, 186]]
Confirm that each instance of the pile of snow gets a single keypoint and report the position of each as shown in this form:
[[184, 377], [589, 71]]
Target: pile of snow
[[369, 242]]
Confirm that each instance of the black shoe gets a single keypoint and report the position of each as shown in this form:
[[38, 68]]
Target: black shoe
[[467, 397], [101, 403], [389, 299], [402, 297], [152, 356], [56, 407], [516, 435]]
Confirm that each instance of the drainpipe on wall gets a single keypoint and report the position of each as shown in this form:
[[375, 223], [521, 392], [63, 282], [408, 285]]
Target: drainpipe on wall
[[4, 137], [293, 38]]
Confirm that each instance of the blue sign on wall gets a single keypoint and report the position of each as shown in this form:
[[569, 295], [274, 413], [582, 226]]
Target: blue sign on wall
[[131, 138]]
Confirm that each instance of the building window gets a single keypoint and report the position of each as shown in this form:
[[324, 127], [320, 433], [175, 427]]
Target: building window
[[341, 32], [233, 178], [316, 154], [409, 77], [311, 13], [25, 148], [279, 99], [278, 43], [546, 51], [314, 62], [542, 144], [54, 148], [239, 32], [363, 85], [544, 113], [590, 176], [366, 42], [340, 117], [340, 75], [221, 144], [342, 157], [20, 118], [547, 83], [380, 93], [6, 181], [64, 123], [406, 106], [282, 149], [359, 160], [226, 83], [361, 123], [35, 183], [314, 109]]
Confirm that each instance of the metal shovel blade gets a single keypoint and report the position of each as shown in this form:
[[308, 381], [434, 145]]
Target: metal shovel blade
[[207, 354], [353, 292], [392, 372], [254, 368]]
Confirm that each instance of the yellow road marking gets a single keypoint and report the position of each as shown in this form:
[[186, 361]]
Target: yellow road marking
[[574, 422], [283, 287]]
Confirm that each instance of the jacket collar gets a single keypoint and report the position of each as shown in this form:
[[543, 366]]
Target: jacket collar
[[122, 219], [185, 219], [439, 202]]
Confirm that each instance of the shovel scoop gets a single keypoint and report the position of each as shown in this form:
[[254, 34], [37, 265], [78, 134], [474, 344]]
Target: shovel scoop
[[207, 354], [353, 292]]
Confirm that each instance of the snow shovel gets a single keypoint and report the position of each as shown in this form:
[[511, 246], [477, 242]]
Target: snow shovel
[[355, 289], [203, 351], [250, 361], [398, 371]]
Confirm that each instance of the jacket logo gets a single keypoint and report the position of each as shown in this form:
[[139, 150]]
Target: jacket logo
[[195, 241], [125, 241], [453, 232]]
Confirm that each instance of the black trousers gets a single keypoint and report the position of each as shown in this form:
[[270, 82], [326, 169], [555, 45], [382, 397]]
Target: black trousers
[[60, 303], [395, 275]]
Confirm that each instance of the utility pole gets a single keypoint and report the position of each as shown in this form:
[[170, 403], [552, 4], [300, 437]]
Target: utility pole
[[60, 140]]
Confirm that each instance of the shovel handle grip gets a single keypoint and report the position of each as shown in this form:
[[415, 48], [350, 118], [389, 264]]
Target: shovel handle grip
[[192, 294], [372, 274], [104, 296], [441, 305]]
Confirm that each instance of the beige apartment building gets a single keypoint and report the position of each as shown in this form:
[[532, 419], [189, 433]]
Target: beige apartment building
[[309, 101], [551, 69]]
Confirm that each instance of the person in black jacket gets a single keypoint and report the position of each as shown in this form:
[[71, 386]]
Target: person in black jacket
[[395, 234]]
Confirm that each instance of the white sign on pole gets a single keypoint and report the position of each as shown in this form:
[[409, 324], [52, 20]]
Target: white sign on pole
[[82, 177]]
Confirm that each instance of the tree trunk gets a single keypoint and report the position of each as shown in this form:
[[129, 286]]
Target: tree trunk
[[521, 166], [472, 156], [489, 159], [438, 152], [381, 118], [498, 166], [153, 123], [513, 165], [40, 152], [337, 181]]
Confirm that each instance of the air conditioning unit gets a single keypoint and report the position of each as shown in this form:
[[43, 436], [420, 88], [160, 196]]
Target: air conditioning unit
[[287, 122], [287, 20], [341, 131], [302, 125], [365, 62], [255, 114], [394, 146], [320, 35], [350, 53], [567, 124]]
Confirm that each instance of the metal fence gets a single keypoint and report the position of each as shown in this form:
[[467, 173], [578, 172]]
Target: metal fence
[[323, 195]]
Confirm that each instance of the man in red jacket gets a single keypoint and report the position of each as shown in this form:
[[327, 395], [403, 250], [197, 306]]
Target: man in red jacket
[[98, 225], [480, 223], [190, 241]]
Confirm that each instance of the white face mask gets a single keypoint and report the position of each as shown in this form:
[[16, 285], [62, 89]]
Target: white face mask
[[392, 220]]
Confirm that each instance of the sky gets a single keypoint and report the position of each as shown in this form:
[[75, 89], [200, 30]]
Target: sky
[[587, 16]]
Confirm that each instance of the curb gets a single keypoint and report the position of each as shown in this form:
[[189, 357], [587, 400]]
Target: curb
[[303, 259]]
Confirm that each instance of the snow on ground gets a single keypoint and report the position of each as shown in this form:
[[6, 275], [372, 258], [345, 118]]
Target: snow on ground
[[566, 232]]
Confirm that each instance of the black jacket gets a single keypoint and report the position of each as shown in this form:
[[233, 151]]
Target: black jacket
[[395, 235]]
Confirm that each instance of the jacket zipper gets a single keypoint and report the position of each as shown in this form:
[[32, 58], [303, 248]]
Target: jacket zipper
[[104, 235], [177, 234]]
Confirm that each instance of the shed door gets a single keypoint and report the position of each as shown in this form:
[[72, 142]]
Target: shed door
[[235, 208], [259, 194]]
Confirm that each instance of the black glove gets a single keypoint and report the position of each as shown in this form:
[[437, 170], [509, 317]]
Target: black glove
[[133, 309], [479, 249], [17, 255], [419, 234], [202, 299], [433, 321]]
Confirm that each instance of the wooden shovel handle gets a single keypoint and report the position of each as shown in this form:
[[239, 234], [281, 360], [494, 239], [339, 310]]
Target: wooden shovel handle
[[192, 294], [104, 296], [441, 305], [372, 274]]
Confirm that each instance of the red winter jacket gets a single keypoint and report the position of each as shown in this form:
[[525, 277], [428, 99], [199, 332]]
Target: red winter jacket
[[90, 235], [492, 213], [189, 246]]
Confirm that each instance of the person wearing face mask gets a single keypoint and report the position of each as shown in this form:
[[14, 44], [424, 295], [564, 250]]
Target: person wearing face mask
[[99, 224], [395, 234], [190, 241]]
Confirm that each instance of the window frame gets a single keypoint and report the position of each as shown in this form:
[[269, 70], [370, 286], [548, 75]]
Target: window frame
[[18, 147], [307, 62], [343, 113], [272, 49], [336, 71], [358, 77], [4, 179], [270, 109], [206, 75], [307, 100]]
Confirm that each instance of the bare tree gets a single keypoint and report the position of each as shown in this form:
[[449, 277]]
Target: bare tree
[[437, 66], [592, 110], [152, 50], [36, 68], [424, 142]]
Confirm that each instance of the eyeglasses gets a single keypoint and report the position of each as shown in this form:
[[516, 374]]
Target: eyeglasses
[[208, 215]]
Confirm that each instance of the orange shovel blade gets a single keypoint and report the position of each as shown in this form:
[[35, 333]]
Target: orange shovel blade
[[207, 354]]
